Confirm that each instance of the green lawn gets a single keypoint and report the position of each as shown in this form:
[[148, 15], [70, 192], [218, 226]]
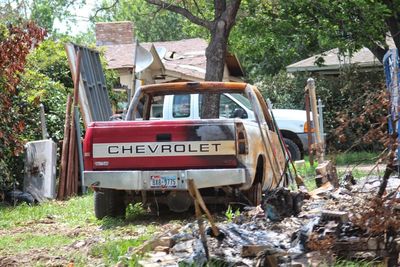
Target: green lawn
[[53, 229], [346, 161]]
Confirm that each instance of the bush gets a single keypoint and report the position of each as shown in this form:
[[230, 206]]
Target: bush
[[355, 106]]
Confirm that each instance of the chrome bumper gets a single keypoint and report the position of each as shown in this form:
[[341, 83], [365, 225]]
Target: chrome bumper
[[141, 180]]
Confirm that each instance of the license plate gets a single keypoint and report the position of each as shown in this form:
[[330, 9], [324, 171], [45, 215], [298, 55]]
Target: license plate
[[163, 181]]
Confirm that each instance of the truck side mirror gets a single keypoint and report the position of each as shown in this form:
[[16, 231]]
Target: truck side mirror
[[239, 113]]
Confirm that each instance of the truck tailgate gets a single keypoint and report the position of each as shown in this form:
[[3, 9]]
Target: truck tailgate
[[145, 145]]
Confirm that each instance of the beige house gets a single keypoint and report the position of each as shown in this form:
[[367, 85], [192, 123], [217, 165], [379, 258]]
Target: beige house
[[173, 61], [330, 62]]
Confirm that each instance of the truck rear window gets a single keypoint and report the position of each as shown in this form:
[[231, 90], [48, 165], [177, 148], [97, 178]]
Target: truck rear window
[[181, 106]]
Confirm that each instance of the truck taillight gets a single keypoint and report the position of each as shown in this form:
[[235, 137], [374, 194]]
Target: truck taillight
[[87, 149], [242, 146], [308, 127]]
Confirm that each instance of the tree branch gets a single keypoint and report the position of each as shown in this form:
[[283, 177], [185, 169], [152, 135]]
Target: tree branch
[[378, 51], [105, 8], [182, 11], [219, 8], [231, 12], [199, 10]]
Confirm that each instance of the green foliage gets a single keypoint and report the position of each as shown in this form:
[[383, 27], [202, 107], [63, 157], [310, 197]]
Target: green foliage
[[353, 103], [230, 214], [13, 53], [42, 12], [279, 40], [113, 249], [50, 59], [134, 210], [3, 32], [52, 95], [283, 91], [289, 31], [151, 24]]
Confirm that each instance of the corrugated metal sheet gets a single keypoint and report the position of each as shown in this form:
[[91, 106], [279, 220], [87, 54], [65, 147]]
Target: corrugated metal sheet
[[93, 95]]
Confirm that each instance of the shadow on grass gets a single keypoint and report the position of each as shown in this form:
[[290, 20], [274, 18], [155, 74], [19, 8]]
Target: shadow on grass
[[137, 215]]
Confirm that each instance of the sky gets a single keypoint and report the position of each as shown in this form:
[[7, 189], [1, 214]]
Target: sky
[[81, 16]]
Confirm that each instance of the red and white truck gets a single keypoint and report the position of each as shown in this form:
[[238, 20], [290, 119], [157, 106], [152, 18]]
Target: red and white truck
[[143, 159]]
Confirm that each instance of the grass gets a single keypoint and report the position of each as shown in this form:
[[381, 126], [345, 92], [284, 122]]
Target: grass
[[350, 158], [24, 241], [342, 161], [77, 212], [113, 250], [361, 263], [52, 227]]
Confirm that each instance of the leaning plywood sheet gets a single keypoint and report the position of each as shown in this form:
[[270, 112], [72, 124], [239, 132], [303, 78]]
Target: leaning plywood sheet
[[94, 101]]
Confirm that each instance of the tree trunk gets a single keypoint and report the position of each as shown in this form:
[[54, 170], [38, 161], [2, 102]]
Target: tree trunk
[[215, 54]]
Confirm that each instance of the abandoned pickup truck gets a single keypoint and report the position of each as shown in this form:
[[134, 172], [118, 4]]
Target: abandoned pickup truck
[[143, 160]]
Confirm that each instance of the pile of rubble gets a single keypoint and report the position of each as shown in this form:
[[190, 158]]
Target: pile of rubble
[[293, 229]]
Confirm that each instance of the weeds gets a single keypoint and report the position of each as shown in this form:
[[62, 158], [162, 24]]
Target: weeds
[[113, 250], [230, 214]]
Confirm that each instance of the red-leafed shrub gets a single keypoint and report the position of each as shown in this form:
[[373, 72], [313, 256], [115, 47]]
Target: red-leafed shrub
[[16, 42]]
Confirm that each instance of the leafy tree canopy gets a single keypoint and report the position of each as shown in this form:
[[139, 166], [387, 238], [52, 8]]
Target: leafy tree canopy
[[270, 35], [43, 12], [151, 23]]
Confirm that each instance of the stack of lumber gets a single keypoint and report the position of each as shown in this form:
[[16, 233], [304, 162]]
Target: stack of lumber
[[69, 168]]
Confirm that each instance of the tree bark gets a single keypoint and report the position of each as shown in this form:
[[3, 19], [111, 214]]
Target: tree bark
[[215, 54], [378, 51], [224, 19]]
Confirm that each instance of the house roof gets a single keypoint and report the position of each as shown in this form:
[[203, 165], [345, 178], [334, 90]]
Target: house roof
[[120, 56], [332, 60], [184, 56]]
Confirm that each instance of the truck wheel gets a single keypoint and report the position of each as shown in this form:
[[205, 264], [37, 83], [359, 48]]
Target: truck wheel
[[109, 203], [294, 150], [254, 194]]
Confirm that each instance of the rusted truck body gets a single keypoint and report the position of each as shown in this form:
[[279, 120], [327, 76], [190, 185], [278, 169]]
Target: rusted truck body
[[142, 159]]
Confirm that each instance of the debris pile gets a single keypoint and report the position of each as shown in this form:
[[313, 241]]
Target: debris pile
[[348, 222]]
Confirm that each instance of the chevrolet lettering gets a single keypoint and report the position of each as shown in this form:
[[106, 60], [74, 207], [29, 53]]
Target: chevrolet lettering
[[159, 149]]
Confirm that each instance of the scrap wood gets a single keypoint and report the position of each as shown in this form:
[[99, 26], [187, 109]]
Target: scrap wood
[[326, 172], [65, 146], [163, 239], [68, 183], [326, 187], [201, 228], [195, 194]]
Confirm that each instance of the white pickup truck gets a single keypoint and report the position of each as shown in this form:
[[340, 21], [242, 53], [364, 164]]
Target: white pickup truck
[[291, 122]]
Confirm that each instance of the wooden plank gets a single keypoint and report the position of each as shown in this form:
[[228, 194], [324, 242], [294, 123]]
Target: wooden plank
[[64, 152], [71, 159], [309, 133], [313, 103], [195, 193]]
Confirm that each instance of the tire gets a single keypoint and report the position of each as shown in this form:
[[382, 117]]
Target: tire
[[109, 203], [254, 194], [294, 150]]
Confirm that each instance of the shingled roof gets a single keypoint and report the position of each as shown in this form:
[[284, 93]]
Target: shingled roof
[[184, 56], [332, 61]]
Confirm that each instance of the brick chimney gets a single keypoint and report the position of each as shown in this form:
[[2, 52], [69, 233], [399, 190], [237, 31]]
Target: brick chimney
[[114, 33]]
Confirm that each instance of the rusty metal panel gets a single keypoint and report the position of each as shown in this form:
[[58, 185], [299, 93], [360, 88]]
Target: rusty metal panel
[[94, 100]]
